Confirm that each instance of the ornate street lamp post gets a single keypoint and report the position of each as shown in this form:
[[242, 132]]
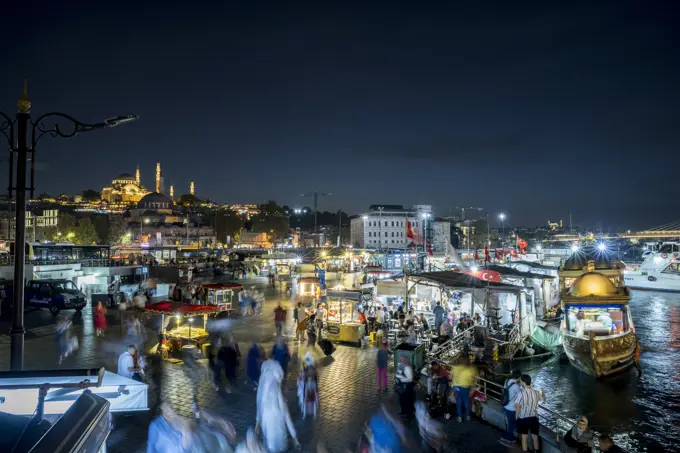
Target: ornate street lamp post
[[23, 135]]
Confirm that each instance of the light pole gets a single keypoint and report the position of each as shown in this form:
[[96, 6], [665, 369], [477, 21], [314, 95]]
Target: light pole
[[380, 211], [316, 201], [23, 134], [502, 217], [141, 228]]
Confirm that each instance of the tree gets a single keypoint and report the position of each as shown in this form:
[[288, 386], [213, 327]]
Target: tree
[[110, 230], [91, 195], [77, 231], [227, 223]]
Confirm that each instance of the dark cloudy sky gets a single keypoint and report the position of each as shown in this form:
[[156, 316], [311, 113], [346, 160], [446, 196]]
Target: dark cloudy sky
[[517, 106]]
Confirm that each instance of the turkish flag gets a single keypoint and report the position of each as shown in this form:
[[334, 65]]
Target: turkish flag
[[486, 275], [487, 257], [409, 230], [513, 253], [476, 255], [498, 254]]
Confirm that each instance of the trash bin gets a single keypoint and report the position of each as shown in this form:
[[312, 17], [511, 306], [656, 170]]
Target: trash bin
[[415, 353]]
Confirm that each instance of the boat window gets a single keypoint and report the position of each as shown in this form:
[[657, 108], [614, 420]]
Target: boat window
[[668, 248], [602, 321], [671, 269]]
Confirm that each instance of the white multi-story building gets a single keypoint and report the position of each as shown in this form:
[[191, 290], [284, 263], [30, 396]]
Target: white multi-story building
[[48, 218], [382, 227], [441, 235]]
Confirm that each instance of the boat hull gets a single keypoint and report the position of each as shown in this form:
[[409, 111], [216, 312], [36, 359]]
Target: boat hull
[[652, 280], [600, 356]]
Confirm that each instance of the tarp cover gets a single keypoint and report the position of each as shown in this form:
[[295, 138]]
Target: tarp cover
[[549, 340], [125, 395]]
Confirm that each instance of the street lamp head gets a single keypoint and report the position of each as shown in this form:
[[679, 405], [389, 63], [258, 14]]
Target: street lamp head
[[501, 216], [364, 217], [147, 220], [118, 120]]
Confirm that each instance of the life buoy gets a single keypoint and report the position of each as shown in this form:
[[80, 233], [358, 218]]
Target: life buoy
[[664, 255]]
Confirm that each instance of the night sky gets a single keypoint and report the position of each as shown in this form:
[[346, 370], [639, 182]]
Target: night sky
[[532, 110]]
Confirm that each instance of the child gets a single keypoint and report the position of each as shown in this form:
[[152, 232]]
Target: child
[[383, 353]]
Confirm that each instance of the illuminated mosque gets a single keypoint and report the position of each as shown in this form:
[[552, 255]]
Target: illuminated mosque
[[125, 188]]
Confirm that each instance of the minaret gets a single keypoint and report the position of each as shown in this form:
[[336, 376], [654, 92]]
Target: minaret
[[172, 192], [158, 177], [138, 177], [191, 188]]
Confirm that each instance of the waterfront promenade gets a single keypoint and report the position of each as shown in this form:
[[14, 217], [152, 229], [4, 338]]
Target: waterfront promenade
[[348, 394]]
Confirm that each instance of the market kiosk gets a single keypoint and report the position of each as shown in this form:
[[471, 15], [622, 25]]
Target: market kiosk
[[308, 290], [186, 329], [341, 307], [222, 294]]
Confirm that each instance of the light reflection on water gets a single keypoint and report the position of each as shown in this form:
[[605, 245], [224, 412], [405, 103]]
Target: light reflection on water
[[644, 413]]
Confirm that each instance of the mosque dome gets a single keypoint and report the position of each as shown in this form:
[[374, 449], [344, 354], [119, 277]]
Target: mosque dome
[[592, 284], [125, 177], [575, 262], [155, 200]]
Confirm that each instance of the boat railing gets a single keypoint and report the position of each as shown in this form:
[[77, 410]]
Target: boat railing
[[452, 348], [551, 419]]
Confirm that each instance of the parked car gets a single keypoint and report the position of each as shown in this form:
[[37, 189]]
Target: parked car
[[55, 295]]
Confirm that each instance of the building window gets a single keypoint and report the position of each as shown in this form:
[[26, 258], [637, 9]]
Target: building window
[[385, 222], [392, 222], [393, 234], [385, 233]]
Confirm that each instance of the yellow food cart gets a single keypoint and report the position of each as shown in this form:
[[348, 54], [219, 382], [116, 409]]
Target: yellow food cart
[[341, 312]]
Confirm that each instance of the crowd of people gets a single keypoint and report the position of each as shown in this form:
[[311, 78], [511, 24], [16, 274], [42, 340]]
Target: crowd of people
[[265, 371]]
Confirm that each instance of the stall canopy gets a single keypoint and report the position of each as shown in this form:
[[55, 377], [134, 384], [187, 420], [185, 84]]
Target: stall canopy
[[167, 307], [390, 288], [458, 280], [531, 264], [21, 393], [512, 272], [218, 286]]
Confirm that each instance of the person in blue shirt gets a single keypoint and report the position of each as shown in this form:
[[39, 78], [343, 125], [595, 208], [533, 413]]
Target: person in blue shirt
[[281, 354], [168, 433], [438, 313]]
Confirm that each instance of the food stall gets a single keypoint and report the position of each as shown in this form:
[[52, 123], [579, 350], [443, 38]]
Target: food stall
[[342, 308], [308, 290], [187, 329], [222, 294]]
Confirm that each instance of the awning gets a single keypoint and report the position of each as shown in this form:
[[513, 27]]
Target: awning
[[462, 281], [184, 310], [512, 272]]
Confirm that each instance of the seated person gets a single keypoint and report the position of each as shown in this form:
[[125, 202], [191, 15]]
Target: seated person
[[439, 378], [579, 439], [446, 330]]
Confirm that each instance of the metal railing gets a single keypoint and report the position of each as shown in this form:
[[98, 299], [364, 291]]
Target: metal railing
[[451, 348], [549, 418]]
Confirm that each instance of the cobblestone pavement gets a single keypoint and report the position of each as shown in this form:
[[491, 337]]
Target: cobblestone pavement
[[348, 394]]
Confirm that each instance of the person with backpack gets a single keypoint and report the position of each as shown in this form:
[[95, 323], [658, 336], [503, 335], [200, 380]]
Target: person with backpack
[[510, 389]]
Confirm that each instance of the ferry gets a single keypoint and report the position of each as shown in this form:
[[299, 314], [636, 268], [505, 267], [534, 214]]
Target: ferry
[[598, 334], [659, 271]]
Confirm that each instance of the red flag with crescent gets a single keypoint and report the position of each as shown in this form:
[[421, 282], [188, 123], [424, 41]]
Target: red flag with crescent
[[409, 230], [498, 254], [513, 253], [522, 245]]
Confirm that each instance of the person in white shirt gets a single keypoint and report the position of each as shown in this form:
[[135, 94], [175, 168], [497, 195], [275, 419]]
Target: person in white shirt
[[379, 318], [405, 387], [319, 319], [512, 387], [126, 364]]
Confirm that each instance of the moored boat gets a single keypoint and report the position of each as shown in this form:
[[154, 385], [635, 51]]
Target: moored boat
[[597, 330]]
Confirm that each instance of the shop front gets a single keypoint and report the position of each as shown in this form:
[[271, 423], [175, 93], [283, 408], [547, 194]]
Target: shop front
[[222, 295]]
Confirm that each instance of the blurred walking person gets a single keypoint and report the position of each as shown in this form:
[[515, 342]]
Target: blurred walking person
[[308, 390], [254, 364], [230, 356], [279, 319], [169, 433], [431, 432], [192, 371], [464, 377], [272, 411], [281, 354], [100, 319], [405, 386], [251, 444], [386, 434], [62, 338], [383, 358]]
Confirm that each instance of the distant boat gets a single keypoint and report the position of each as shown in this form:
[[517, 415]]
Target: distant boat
[[660, 271]]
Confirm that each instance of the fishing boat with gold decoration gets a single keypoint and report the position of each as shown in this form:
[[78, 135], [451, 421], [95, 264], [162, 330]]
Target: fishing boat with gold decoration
[[598, 334]]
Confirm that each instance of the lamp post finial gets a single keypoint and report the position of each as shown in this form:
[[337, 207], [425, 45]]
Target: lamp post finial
[[24, 104]]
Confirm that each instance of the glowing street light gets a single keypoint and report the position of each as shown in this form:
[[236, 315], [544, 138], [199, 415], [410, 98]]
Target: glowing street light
[[602, 246], [574, 248]]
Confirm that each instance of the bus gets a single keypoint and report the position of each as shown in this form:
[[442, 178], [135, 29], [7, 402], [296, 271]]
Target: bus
[[36, 251]]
